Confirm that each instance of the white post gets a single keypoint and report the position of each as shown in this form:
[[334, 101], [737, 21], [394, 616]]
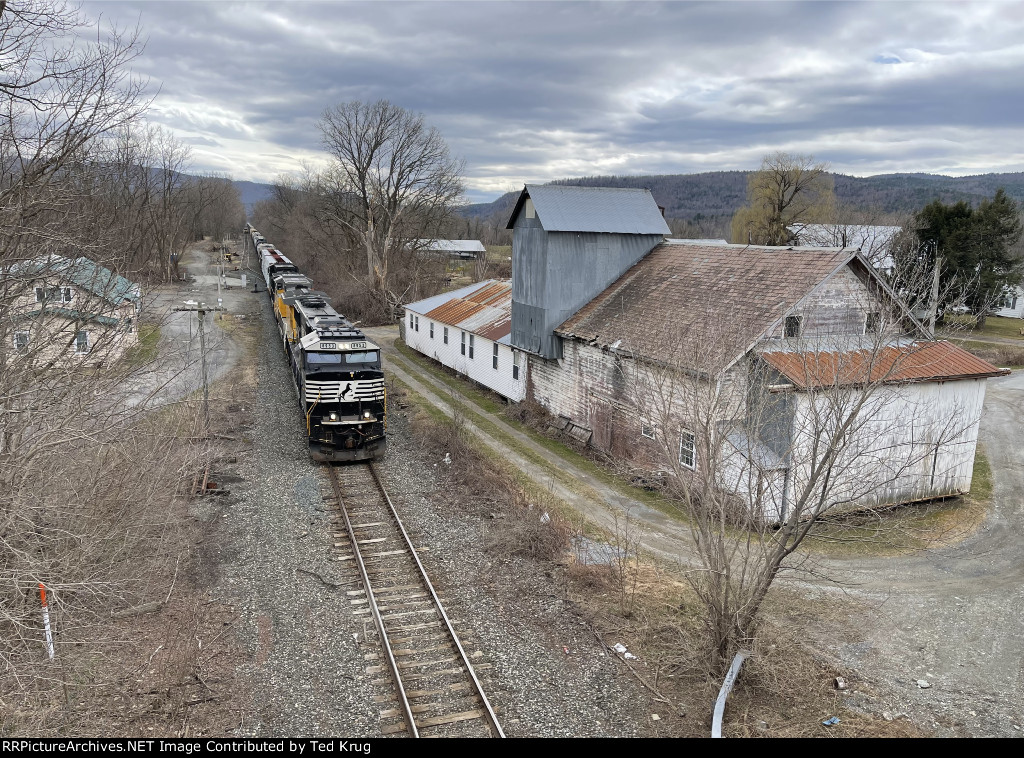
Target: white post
[[730, 680], [46, 620]]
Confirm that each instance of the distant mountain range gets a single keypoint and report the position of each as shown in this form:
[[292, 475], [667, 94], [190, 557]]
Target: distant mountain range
[[252, 193], [720, 193]]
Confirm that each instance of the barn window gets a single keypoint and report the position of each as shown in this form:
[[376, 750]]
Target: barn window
[[528, 208], [445, 335], [21, 341], [494, 357], [431, 330], [687, 448], [463, 347], [646, 429], [515, 364], [872, 323], [471, 347], [793, 324], [82, 342]]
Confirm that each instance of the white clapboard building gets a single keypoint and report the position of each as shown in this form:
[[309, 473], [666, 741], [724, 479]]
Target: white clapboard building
[[469, 330]]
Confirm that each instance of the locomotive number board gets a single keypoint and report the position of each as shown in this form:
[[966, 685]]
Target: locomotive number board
[[342, 346]]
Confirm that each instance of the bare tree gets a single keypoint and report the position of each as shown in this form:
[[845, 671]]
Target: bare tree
[[393, 181], [788, 189], [760, 442]]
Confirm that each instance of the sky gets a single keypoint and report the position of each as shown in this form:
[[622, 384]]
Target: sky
[[535, 91]]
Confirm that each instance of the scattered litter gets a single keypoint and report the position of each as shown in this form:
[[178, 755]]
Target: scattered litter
[[923, 684], [545, 518], [618, 647], [887, 716], [830, 722], [355, 636], [840, 683], [655, 717], [629, 656], [565, 650], [448, 458]]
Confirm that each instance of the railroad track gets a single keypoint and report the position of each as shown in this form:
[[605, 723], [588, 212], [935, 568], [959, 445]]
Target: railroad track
[[438, 691]]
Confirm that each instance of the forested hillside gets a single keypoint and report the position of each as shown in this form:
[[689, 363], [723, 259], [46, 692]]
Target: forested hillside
[[702, 204]]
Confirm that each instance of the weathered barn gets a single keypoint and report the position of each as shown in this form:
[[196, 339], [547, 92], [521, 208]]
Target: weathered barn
[[568, 244], [628, 367], [468, 330]]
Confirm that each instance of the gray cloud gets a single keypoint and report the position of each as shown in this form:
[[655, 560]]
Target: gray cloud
[[534, 91]]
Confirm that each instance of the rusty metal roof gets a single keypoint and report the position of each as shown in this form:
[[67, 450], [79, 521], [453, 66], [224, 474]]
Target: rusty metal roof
[[701, 306], [893, 364], [486, 311]]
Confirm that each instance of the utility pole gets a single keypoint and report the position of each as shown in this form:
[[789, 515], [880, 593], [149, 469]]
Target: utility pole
[[934, 305], [201, 309]]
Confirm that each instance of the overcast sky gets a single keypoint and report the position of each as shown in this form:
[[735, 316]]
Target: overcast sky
[[531, 91]]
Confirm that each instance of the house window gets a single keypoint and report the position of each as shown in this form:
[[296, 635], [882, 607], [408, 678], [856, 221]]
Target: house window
[[410, 321], [471, 347], [445, 335], [646, 429], [129, 325], [687, 448], [872, 323], [431, 330], [21, 341], [53, 294], [515, 364], [793, 324], [417, 323], [494, 357], [82, 342], [463, 342]]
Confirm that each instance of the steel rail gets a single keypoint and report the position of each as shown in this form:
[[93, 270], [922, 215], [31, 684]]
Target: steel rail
[[392, 664], [437, 601]]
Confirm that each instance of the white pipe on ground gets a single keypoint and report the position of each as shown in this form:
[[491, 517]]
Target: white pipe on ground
[[730, 680]]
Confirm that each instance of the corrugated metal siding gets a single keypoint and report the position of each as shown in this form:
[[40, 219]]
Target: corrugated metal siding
[[611, 210], [557, 273], [484, 309], [919, 362]]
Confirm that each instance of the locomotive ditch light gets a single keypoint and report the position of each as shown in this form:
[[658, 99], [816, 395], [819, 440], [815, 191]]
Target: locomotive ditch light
[[366, 414], [334, 416]]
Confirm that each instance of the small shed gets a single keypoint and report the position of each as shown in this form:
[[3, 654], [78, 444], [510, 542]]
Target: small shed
[[461, 249]]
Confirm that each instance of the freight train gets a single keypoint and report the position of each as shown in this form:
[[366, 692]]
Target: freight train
[[336, 369]]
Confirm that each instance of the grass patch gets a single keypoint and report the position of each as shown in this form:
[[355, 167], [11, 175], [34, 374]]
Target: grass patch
[[145, 350], [1005, 356], [908, 528], [995, 326], [487, 401]]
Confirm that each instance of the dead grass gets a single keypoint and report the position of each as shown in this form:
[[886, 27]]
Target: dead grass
[[784, 690]]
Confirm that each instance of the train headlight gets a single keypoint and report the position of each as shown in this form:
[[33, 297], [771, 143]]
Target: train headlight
[[333, 417], [367, 414]]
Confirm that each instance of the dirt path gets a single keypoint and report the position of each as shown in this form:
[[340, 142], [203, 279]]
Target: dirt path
[[177, 372], [951, 617]]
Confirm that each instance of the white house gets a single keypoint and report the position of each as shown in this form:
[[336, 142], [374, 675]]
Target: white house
[[1012, 304], [469, 330]]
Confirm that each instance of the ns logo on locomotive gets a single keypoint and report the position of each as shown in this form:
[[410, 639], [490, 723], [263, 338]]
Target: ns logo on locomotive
[[335, 368]]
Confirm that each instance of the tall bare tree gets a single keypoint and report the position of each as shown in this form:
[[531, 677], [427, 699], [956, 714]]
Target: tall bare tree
[[393, 181]]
